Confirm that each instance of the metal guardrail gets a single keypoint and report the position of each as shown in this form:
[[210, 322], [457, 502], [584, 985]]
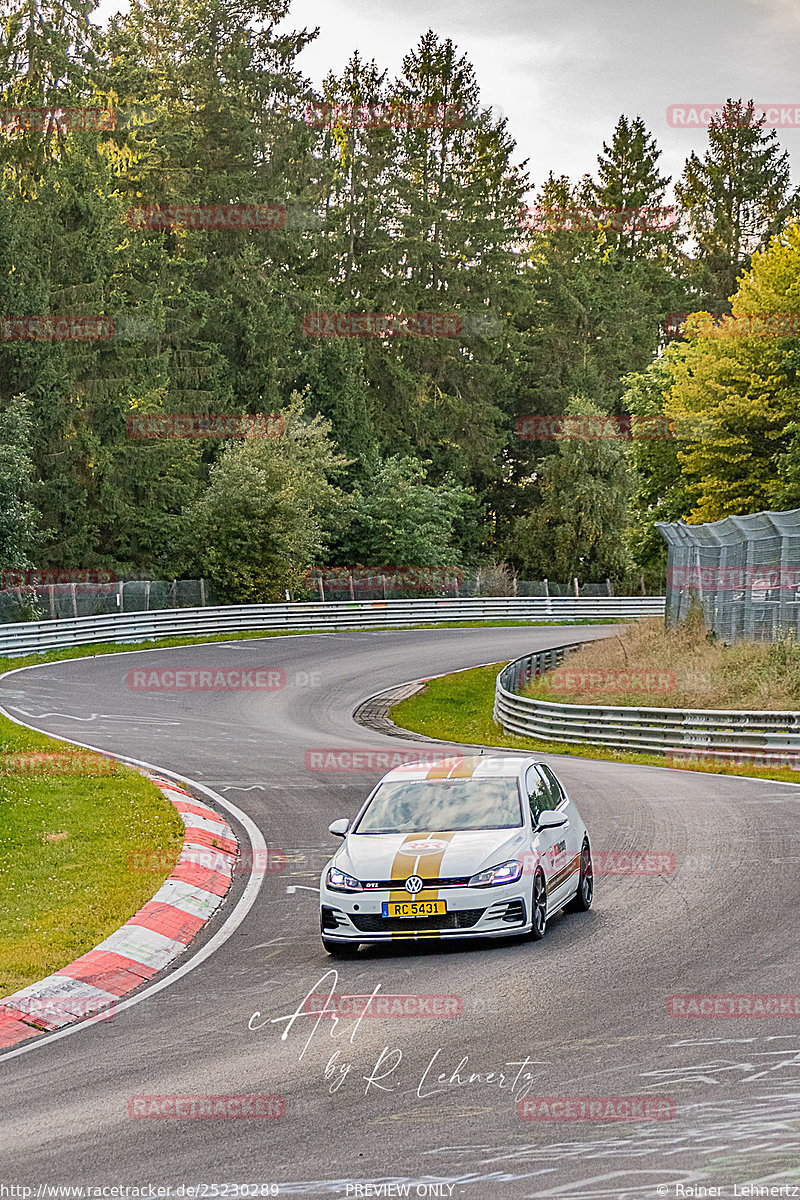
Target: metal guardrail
[[31, 636], [723, 733]]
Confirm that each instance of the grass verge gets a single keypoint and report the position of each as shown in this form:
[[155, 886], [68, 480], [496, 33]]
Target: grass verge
[[69, 822], [457, 709]]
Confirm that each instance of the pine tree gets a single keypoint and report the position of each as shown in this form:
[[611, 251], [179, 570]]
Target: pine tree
[[629, 184], [737, 197], [431, 218], [50, 52]]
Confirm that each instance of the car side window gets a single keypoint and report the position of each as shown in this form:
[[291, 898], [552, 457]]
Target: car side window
[[555, 790], [538, 794]]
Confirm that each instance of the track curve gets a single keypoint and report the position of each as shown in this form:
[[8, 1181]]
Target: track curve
[[585, 1010]]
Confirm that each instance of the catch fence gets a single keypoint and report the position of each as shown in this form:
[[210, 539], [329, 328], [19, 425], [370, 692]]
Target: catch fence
[[744, 571]]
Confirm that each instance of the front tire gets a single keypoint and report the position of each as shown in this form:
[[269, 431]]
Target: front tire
[[582, 901], [539, 907], [340, 949]]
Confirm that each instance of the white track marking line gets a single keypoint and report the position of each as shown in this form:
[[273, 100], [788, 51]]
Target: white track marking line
[[226, 930]]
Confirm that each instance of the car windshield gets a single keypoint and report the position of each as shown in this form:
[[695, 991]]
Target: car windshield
[[425, 805]]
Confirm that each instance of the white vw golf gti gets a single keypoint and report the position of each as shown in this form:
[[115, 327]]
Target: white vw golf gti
[[469, 847]]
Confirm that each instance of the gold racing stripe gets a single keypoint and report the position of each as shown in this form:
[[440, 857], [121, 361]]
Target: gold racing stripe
[[406, 862], [442, 769], [452, 768], [463, 770], [573, 865]]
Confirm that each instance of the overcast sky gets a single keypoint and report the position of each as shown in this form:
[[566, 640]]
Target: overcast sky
[[562, 71]]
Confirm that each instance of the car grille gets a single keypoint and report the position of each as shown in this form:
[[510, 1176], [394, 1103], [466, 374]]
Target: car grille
[[375, 923], [398, 884]]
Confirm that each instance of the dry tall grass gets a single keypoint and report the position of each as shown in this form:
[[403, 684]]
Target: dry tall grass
[[648, 665]]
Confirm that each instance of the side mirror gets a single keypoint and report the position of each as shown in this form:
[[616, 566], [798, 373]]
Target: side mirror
[[339, 828], [550, 819]]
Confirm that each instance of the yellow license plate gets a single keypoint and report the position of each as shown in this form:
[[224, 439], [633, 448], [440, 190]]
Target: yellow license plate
[[414, 908]]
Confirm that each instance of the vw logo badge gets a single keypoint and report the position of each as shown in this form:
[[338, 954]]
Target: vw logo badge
[[413, 884]]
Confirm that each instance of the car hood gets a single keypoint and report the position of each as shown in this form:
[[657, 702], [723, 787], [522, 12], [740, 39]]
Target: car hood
[[432, 856]]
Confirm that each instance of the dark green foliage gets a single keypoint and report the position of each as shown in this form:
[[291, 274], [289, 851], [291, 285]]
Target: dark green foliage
[[398, 448]]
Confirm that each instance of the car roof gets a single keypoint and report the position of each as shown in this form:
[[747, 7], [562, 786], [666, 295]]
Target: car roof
[[475, 766]]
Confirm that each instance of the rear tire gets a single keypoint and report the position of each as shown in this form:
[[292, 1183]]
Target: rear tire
[[582, 900], [539, 905], [340, 949]]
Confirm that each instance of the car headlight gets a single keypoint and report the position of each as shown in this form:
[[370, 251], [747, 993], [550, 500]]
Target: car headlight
[[507, 872], [341, 882]]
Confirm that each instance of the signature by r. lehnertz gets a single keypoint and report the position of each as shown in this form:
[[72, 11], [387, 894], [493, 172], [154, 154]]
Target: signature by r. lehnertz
[[391, 1069]]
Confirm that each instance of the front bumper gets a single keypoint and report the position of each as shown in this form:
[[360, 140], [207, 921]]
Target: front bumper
[[471, 912]]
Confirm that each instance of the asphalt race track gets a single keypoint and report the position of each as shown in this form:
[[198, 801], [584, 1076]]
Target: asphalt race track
[[581, 1014]]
